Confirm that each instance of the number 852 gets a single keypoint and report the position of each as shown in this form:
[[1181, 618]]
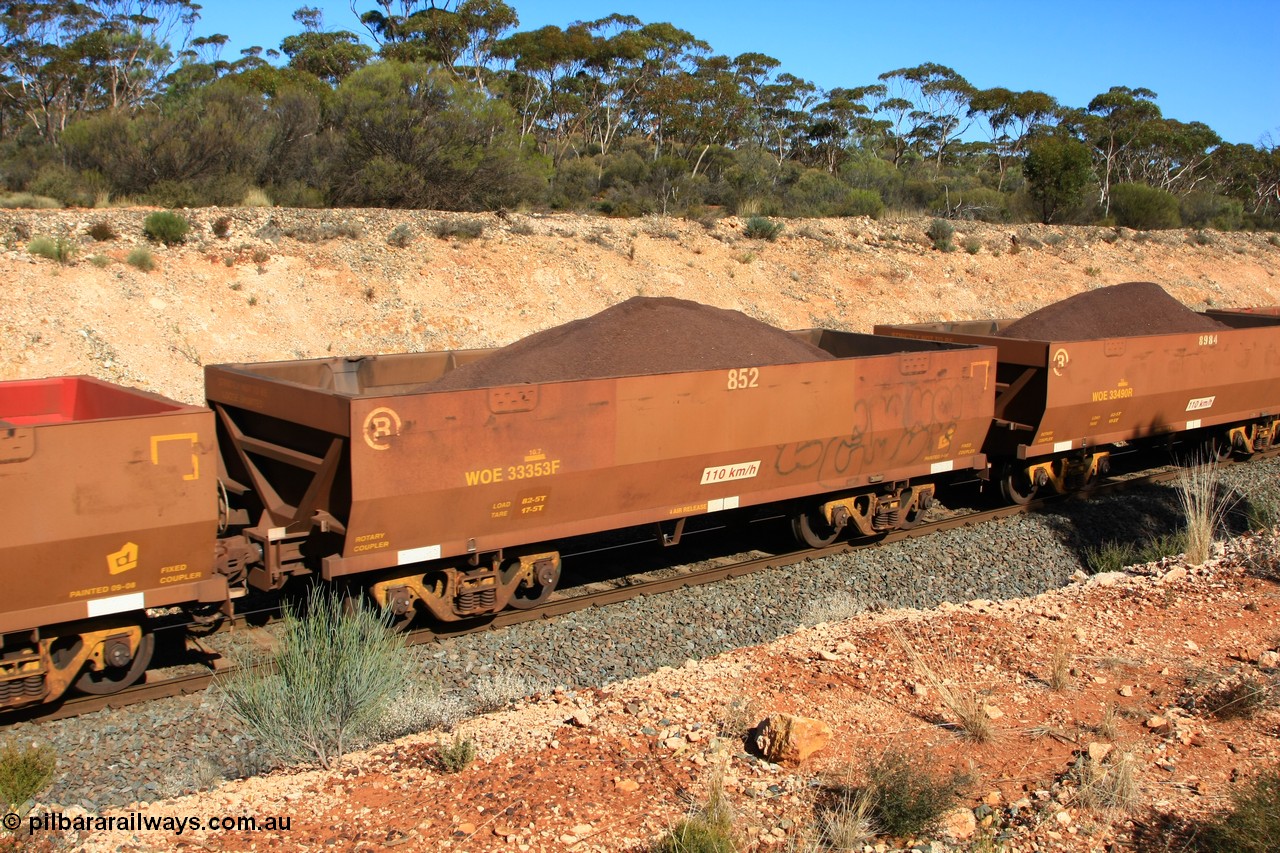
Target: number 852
[[744, 377]]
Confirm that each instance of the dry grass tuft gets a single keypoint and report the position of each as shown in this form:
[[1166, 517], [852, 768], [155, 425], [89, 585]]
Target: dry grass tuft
[[1205, 505], [1106, 784], [960, 699], [1060, 667]]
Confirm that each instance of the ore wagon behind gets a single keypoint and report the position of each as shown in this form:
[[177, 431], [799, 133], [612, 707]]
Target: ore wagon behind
[[107, 500], [1063, 404]]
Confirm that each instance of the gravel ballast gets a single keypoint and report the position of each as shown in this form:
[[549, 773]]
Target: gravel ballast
[[171, 747]]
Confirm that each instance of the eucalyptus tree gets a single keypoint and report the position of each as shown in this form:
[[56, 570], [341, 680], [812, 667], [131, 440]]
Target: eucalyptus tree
[[665, 70], [1170, 155], [1252, 175], [545, 85], [328, 54], [1113, 123], [60, 59], [462, 37], [784, 113], [1011, 119], [930, 106]]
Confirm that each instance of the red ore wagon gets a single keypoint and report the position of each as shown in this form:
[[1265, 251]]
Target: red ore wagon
[[108, 506]]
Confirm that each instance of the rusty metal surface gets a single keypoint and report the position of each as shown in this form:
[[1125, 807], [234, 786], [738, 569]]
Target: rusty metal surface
[[1263, 315], [107, 498], [1057, 396], [426, 476]]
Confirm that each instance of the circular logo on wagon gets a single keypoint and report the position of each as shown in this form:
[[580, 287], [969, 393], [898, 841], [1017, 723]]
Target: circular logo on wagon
[[381, 425], [1060, 361]]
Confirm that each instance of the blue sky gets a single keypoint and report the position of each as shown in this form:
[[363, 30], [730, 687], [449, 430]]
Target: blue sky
[[1213, 62]]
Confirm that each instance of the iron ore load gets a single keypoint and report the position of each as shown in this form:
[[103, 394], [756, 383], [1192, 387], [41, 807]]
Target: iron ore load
[[1113, 366], [442, 483]]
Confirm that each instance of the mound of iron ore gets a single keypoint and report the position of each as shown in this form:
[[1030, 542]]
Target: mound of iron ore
[[1122, 310], [640, 336]]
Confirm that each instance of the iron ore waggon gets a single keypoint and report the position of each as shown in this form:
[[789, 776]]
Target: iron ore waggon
[[354, 467], [108, 506], [1064, 405]]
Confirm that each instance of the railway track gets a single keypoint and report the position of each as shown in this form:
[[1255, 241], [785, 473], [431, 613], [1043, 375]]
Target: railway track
[[592, 595]]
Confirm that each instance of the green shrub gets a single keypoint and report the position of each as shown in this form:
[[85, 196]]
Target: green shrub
[[1252, 824], [708, 830], [462, 229], [696, 835], [335, 672], [762, 228], [973, 245], [457, 756], [165, 227], [102, 232], [141, 258], [60, 250], [1261, 508], [940, 232], [256, 197], [819, 193], [902, 797], [28, 200], [1144, 208], [1208, 210], [100, 261], [1110, 556], [981, 203], [24, 773], [863, 203], [401, 236]]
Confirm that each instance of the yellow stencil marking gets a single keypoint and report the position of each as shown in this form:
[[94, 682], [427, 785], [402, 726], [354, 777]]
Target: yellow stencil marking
[[123, 560], [191, 437], [380, 425]]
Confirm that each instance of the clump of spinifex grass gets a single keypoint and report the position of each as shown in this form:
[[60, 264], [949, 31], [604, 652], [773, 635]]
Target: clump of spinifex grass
[[961, 701], [1205, 505], [707, 829], [1251, 824], [898, 796]]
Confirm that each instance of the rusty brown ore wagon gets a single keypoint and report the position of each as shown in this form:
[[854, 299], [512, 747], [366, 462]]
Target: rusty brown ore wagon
[[108, 502], [438, 500], [1062, 406]]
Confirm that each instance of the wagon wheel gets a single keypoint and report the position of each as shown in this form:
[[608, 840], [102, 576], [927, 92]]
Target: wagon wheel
[[1217, 448], [911, 517], [112, 679], [1017, 488], [536, 590], [811, 528]]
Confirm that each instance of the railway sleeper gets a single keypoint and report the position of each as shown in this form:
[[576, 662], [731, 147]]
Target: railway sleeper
[[453, 594]]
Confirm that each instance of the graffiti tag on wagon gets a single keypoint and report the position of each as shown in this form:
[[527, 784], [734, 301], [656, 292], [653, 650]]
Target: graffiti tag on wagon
[[897, 428]]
